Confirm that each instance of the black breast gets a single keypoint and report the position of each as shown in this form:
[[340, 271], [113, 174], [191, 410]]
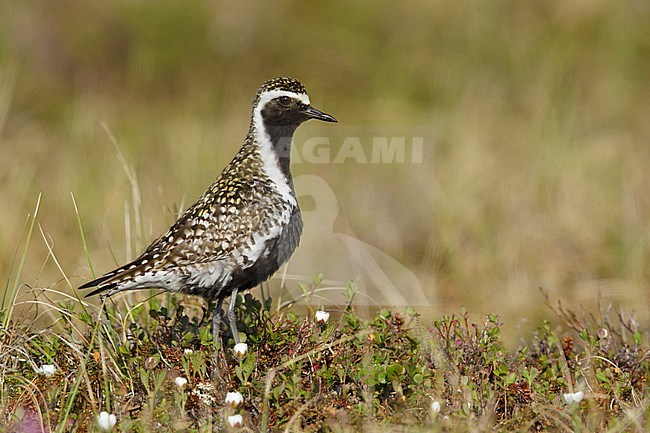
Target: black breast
[[277, 252]]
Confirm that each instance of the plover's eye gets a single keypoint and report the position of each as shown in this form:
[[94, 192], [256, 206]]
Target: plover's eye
[[284, 100]]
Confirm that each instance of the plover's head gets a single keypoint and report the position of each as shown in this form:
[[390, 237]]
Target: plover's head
[[283, 103]]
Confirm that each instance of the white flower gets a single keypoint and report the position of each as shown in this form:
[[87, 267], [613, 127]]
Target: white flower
[[187, 351], [576, 397], [106, 421], [435, 408], [241, 349], [46, 370], [322, 317], [235, 421], [234, 399], [180, 381]]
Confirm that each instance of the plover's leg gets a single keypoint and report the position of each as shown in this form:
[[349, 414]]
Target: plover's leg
[[231, 316], [216, 320]]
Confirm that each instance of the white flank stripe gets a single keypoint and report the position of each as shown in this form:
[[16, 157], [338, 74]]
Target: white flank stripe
[[260, 240], [218, 276]]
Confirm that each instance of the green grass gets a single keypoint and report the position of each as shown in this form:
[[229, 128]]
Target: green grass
[[11, 289], [380, 374]]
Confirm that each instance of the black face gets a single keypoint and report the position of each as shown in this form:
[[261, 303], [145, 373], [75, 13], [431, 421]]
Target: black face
[[281, 117], [287, 111], [284, 111]]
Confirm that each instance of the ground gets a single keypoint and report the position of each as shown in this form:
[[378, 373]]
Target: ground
[[389, 372]]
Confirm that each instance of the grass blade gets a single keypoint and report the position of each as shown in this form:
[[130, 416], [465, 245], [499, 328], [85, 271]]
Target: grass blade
[[16, 286]]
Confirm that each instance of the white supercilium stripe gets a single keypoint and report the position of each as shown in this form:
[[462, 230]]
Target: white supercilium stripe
[[269, 158]]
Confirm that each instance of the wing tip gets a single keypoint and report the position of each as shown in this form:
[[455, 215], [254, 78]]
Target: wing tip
[[97, 291], [110, 280], [88, 285], [96, 283]]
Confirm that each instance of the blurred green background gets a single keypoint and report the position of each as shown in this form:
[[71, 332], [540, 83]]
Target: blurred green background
[[535, 173]]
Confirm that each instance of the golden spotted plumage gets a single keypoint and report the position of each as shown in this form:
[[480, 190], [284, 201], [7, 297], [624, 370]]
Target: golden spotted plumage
[[244, 227]]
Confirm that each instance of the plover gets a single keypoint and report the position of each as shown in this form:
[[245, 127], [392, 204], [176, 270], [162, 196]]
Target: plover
[[244, 227]]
